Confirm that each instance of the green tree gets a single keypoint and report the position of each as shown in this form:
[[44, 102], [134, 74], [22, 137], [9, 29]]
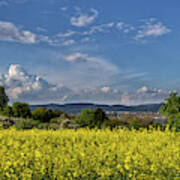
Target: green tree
[[21, 110], [99, 118], [3, 98], [57, 113], [91, 118], [171, 109], [42, 114], [85, 118], [7, 111]]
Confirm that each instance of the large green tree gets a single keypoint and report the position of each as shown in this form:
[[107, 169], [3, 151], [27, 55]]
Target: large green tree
[[91, 118], [3, 98], [42, 114], [21, 110], [171, 109]]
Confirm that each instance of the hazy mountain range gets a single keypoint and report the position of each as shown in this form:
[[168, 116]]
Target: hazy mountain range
[[77, 107]]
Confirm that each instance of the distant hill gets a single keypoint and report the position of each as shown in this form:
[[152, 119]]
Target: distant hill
[[77, 107]]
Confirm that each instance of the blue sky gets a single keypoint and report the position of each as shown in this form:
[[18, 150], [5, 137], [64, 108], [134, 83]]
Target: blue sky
[[115, 52]]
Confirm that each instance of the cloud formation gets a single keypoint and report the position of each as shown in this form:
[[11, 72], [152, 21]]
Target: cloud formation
[[9, 32], [99, 28], [76, 57], [92, 62], [148, 28], [144, 95], [23, 86], [152, 28], [82, 20]]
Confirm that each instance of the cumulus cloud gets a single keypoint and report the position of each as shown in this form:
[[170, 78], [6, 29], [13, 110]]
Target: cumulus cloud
[[23, 86], [105, 89], [9, 32], [144, 95], [82, 20], [152, 28]]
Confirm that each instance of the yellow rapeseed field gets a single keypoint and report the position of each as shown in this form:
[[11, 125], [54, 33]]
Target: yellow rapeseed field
[[89, 154]]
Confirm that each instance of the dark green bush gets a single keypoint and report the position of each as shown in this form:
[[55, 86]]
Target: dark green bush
[[57, 113], [57, 120], [115, 123], [21, 110], [91, 118], [7, 123], [42, 114], [43, 126], [7, 111], [26, 124], [60, 118]]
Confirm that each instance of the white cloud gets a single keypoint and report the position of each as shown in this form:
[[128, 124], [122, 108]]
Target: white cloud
[[68, 42], [86, 70], [144, 95], [9, 32], [22, 86], [105, 89], [92, 62], [99, 28], [67, 34], [87, 39], [82, 20], [152, 28], [40, 29], [126, 28], [143, 89], [12, 33], [120, 25], [76, 57], [64, 8]]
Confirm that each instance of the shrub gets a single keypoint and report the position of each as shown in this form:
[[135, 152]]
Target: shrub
[[57, 120], [43, 126], [7, 111], [60, 118], [91, 118], [26, 124], [57, 113], [21, 110], [42, 114], [115, 123], [85, 118], [7, 123]]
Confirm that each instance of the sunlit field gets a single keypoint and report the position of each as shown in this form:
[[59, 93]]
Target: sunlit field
[[89, 154]]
